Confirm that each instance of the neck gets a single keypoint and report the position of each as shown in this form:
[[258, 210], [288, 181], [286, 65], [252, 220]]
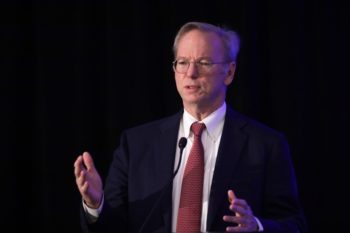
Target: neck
[[201, 112]]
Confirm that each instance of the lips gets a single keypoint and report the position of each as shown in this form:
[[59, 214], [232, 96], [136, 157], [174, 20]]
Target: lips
[[191, 87]]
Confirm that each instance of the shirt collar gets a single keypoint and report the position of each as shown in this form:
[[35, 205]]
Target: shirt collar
[[214, 122]]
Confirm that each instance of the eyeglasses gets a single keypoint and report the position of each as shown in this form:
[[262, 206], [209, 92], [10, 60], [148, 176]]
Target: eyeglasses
[[203, 66]]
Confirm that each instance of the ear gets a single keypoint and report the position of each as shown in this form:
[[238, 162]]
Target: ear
[[230, 73]]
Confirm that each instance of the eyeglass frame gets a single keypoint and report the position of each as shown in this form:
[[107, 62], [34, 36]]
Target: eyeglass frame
[[198, 63]]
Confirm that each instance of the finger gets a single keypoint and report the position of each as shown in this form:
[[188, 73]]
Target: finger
[[235, 229], [245, 226], [78, 166], [241, 210], [80, 180], [88, 161], [84, 188], [234, 219]]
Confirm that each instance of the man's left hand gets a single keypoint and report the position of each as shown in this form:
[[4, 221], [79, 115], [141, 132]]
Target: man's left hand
[[242, 215]]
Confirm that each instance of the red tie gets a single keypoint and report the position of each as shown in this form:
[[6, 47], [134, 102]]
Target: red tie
[[190, 209]]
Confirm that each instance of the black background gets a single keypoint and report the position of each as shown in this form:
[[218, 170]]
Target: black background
[[75, 74]]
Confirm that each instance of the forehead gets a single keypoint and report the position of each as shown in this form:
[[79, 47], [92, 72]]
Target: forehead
[[196, 43]]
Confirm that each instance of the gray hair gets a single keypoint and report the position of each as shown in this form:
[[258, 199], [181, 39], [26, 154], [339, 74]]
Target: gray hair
[[230, 38]]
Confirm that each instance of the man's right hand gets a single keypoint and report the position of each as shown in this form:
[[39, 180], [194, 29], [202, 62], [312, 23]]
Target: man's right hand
[[88, 180]]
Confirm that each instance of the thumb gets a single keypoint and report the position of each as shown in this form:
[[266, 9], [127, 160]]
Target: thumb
[[88, 161], [231, 196]]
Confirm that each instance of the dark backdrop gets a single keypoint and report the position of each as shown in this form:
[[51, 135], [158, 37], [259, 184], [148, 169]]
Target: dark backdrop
[[73, 75]]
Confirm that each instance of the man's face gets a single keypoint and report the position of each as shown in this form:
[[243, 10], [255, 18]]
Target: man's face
[[202, 86]]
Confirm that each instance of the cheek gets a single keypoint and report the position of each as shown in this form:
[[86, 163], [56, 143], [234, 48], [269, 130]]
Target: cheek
[[178, 82], [215, 88], [214, 83]]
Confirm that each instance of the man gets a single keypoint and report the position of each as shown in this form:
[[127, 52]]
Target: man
[[246, 183]]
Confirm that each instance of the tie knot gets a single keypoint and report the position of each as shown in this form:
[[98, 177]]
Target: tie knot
[[197, 128]]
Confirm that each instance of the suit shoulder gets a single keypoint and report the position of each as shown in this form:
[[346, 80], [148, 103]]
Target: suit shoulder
[[256, 128]]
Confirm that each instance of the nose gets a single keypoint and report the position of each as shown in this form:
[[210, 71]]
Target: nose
[[192, 70]]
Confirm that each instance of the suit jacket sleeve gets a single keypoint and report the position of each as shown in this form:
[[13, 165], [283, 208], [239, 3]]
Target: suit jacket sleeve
[[281, 210], [113, 217]]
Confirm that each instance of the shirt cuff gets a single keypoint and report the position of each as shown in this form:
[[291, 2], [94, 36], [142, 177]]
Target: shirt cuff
[[260, 226], [92, 214]]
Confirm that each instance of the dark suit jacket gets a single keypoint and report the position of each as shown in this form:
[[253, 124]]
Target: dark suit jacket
[[253, 160]]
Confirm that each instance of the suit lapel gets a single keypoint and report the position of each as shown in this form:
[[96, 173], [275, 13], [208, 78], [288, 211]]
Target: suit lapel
[[231, 144]]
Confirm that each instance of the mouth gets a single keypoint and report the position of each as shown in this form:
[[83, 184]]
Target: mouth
[[192, 87]]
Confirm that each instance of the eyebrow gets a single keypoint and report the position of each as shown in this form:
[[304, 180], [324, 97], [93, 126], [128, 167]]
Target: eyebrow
[[198, 59]]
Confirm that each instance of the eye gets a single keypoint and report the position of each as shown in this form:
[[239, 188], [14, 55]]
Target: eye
[[205, 63], [182, 62]]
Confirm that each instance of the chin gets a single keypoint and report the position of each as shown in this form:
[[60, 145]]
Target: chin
[[193, 102]]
